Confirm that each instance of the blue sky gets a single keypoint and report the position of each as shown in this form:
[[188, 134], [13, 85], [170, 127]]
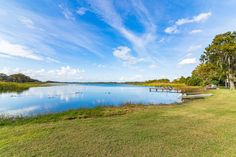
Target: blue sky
[[105, 40]]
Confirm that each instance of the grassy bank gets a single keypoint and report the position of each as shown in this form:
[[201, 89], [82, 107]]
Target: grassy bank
[[178, 86], [18, 87], [72, 114], [205, 127]]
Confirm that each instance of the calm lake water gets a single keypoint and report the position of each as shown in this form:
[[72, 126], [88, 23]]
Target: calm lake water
[[42, 100]]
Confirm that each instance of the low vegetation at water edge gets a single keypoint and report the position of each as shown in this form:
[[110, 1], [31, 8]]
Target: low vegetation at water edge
[[18, 87], [177, 86]]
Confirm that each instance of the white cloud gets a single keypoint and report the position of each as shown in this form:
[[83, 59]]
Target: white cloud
[[195, 31], [131, 78], [108, 13], [66, 12], [81, 11], [196, 19], [15, 50], [162, 40], [199, 18], [4, 56], [123, 53], [27, 22], [65, 73], [182, 21], [101, 66], [202, 17], [188, 61], [50, 32], [189, 54], [194, 48], [153, 66], [171, 30], [49, 59]]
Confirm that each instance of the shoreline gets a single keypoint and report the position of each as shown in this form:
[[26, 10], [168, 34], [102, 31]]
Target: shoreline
[[82, 113]]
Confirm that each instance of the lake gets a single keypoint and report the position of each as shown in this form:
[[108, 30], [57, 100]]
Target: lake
[[42, 100]]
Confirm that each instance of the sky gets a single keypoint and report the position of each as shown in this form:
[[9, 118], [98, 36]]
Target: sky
[[109, 40]]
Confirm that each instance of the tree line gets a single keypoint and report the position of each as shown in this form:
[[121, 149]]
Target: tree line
[[20, 78]]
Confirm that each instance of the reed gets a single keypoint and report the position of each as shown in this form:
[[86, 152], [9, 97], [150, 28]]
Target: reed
[[178, 86], [18, 87]]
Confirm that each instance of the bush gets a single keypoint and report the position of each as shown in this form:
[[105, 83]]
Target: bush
[[194, 81]]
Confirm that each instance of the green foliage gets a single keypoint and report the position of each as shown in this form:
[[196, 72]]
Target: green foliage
[[218, 63], [189, 81], [18, 87], [17, 83], [182, 79], [83, 113], [3, 77], [222, 54], [193, 81], [208, 74], [158, 81], [20, 78]]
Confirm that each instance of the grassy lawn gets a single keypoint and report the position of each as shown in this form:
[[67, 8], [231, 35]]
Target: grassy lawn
[[205, 127]]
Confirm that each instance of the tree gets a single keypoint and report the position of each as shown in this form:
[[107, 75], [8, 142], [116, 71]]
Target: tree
[[182, 79], [222, 54], [3, 77], [190, 81], [159, 81], [21, 78], [193, 81], [163, 81], [208, 74]]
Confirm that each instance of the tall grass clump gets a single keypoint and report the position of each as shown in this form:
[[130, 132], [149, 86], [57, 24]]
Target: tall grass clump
[[18, 87]]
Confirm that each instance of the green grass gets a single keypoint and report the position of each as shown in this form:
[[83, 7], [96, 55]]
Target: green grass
[[204, 127], [18, 87], [70, 115]]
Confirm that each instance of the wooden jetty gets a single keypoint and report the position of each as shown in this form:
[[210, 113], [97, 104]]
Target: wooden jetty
[[168, 89], [196, 96]]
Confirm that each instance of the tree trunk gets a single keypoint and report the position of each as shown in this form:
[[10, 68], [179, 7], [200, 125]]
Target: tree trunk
[[226, 86], [227, 82], [231, 75], [231, 81]]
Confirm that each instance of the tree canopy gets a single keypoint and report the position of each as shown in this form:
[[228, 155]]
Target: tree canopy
[[159, 81], [208, 74], [222, 54]]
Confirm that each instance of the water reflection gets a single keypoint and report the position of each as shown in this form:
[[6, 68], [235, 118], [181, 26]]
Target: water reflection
[[42, 100]]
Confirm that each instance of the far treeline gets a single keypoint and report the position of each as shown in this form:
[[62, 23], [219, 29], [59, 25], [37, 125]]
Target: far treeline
[[19, 78], [218, 64]]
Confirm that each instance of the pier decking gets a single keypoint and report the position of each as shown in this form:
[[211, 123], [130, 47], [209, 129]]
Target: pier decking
[[168, 89]]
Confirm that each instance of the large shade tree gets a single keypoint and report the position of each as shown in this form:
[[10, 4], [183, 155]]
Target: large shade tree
[[222, 54]]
